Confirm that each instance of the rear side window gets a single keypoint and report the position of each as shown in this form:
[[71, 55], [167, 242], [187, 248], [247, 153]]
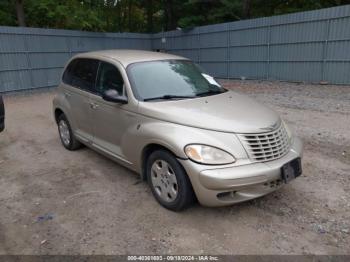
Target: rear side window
[[67, 75], [81, 73]]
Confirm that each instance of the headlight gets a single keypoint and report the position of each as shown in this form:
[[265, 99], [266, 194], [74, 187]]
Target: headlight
[[208, 155], [289, 132]]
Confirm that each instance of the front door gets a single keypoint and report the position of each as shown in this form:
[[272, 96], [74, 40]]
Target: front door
[[111, 120]]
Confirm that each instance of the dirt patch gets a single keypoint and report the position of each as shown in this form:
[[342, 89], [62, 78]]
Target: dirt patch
[[53, 201]]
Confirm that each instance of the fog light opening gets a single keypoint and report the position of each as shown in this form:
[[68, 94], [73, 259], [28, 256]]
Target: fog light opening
[[273, 183], [226, 195]]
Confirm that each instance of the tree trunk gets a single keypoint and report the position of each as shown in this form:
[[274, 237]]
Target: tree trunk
[[246, 8], [20, 13], [119, 12], [129, 15], [123, 5], [149, 16], [166, 18], [169, 15]]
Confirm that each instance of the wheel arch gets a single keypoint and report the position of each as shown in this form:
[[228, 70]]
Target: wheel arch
[[147, 151], [57, 112]]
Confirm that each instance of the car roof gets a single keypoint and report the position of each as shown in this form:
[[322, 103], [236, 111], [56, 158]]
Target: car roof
[[126, 56]]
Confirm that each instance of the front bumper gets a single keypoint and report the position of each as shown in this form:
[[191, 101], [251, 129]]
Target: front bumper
[[229, 185]]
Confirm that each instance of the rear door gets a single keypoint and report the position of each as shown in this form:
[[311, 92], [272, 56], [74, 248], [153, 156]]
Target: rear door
[[79, 82]]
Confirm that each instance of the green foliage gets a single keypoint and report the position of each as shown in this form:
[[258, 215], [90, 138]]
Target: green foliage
[[209, 12], [6, 16], [63, 14], [147, 15]]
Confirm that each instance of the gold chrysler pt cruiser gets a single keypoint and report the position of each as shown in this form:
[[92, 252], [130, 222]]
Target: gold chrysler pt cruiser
[[163, 117]]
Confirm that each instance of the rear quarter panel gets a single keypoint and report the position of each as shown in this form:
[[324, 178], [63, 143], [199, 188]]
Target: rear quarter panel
[[60, 102]]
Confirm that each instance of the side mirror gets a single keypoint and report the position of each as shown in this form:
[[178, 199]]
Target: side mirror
[[111, 95]]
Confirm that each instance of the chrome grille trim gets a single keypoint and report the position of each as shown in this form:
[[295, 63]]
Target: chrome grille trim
[[262, 147]]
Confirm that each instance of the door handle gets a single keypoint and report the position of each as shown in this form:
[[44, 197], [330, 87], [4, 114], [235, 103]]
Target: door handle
[[94, 106], [67, 94]]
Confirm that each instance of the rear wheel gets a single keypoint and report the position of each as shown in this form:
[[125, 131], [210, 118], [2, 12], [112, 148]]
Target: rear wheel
[[169, 182], [66, 135]]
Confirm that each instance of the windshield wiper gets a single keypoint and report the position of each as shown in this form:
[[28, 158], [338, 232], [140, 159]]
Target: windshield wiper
[[167, 97], [211, 92]]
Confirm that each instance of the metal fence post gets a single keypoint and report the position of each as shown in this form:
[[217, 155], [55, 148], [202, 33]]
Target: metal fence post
[[69, 46], [199, 55], [228, 62], [324, 51], [268, 52], [29, 64]]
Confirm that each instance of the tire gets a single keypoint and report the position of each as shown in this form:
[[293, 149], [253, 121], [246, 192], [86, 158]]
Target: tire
[[67, 137], [169, 182]]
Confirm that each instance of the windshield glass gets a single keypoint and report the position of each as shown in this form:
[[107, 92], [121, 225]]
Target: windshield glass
[[170, 79]]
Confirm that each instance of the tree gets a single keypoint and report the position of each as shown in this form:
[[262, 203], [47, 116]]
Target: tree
[[246, 8], [144, 15], [6, 16], [196, 12], [130, 4], [149, 7], [169, 16]]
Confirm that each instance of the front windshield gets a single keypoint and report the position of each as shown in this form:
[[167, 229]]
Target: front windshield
[[170, 78]]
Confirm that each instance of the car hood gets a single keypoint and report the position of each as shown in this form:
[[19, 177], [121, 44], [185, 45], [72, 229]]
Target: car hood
[[226, 112]]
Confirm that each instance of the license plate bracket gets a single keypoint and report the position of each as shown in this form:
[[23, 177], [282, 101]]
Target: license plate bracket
[[291, 170]]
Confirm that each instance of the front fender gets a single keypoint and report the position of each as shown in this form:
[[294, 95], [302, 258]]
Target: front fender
[[175, 137]]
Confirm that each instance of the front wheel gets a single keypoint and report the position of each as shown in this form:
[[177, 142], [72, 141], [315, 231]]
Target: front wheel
[[169, 182]]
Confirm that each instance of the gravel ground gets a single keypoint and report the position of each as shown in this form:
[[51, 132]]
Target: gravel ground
[[53, 201]]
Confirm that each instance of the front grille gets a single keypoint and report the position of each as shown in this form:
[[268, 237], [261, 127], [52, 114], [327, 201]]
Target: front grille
[[266, 146]]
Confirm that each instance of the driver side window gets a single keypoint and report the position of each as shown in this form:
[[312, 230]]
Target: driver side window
[[109, 77]]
